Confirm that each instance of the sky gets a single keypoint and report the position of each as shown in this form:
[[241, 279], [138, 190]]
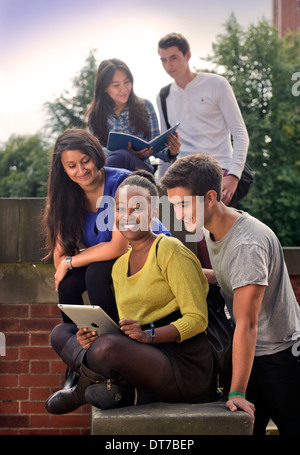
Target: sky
[[44, 43]]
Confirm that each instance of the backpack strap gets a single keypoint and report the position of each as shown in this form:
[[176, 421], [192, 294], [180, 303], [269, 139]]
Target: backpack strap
[[164, 92]]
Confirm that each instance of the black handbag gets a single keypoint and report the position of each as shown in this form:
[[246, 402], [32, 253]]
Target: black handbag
[[245, 182], [220, 331]]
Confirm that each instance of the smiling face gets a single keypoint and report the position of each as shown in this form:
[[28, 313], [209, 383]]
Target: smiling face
[[188, 207], [79, 167], [133, 212], [120, 88]]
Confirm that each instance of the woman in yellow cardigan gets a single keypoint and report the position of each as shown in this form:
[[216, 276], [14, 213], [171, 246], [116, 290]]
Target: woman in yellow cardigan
[[161, 294]]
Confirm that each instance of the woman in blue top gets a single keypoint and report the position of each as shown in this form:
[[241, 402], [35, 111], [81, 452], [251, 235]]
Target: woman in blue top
[[79, 220], [79, 227], [116, 108]]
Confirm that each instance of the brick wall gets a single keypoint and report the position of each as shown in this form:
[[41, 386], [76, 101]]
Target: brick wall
[[30, 372]]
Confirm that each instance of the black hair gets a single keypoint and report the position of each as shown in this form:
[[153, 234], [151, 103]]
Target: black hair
[[198, 173], [64, 207], [174, 39], [143, 179], [102, 105]]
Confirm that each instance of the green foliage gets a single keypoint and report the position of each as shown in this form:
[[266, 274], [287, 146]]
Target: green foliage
[[259, 65], [24, 167], [68, 110], [24, 160]]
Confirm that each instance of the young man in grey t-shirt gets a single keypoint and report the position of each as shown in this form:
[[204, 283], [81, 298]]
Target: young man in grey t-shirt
[[248, 264]]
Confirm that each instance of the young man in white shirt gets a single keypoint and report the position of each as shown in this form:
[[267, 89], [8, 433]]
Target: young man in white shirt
[[207, 110], [248, 264]]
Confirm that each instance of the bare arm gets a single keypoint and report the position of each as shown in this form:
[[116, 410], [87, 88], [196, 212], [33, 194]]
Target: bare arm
[[104, 251], [246, 305], [210, 275]]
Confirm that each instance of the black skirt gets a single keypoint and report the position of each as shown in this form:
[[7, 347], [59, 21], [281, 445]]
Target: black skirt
[[193, 364]]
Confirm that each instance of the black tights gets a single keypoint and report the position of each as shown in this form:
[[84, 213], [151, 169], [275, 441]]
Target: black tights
[[96, 280], [140, 364], [113, 355], [60, 335]]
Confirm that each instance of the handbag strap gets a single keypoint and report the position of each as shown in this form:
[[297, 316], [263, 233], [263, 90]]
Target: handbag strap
[[156, 250]]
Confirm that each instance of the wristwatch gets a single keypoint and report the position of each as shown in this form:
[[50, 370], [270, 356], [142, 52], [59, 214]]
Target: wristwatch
[[69, 262]]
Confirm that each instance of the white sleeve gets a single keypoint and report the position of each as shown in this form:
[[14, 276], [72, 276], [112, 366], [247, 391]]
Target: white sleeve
[[236, 125]]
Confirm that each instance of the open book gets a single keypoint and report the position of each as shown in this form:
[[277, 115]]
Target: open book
[[118, 141]]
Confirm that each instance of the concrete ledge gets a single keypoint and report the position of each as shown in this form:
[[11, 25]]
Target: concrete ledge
[[21, 236], [27, 282], [171, 419]]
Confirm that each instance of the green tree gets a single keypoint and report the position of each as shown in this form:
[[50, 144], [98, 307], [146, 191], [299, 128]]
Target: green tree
[[259, 65], [24, 167], [68, 110]]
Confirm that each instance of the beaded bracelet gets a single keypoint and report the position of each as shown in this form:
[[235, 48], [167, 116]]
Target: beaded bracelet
[[236, 394], [152, 332]]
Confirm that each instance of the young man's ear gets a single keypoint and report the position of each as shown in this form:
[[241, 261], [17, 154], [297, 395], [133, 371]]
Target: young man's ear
[[211, 197], [188, 55]]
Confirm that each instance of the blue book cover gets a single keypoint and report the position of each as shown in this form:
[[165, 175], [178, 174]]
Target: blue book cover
[[118, 141]]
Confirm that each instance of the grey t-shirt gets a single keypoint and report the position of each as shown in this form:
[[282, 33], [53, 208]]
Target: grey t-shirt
[[250, 253]]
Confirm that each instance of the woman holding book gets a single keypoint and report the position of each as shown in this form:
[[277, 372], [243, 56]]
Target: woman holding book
[[116, 108], [169, 358]]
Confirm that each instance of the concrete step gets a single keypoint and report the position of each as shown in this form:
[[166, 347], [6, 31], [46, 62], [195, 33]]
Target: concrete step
[[171, 419]]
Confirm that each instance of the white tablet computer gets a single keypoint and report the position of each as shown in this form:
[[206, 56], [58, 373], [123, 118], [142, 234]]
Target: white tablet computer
[[92, 317]]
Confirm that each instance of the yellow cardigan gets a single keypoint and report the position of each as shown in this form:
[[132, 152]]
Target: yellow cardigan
[[172, 281]]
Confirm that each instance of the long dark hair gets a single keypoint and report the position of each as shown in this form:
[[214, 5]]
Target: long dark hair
[[63, 214], [102, 105]]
